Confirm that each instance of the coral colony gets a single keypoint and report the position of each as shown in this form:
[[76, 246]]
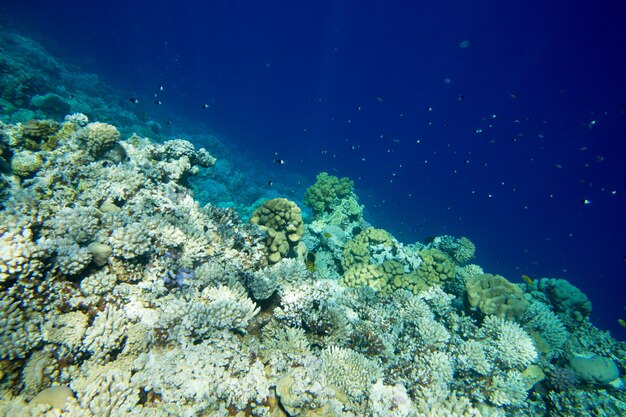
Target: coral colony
[[122, 295]]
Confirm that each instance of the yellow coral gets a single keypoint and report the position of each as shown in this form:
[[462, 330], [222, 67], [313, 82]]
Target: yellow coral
[[357, 249], [282, 219], [495, 295], [435, 267]]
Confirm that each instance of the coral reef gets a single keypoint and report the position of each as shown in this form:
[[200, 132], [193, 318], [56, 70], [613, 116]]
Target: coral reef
[[121, 295]]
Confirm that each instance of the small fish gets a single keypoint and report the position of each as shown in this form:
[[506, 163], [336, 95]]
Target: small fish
[[585, 202], [622, 322], [133, 100], [280, 161], [160, 88], [328, 235], [559, 166], [205, 106], [169, 122], [309, 261], [514, 96], [270, 183], [380, 99], [528, 280], [461, 97], [158, 102], [428, 240]]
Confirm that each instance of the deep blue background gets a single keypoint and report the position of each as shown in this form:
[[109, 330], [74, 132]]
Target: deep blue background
[[346, 87]]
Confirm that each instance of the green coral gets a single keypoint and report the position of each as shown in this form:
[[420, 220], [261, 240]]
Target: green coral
[[357, 250], [327, 188], [39, 134], [282, 219], [435, 267], [375, 258], [361, 275], [26, 163], [460, 250]]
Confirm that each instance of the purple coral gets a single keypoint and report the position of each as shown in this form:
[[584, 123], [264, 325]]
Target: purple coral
[[562, 378]]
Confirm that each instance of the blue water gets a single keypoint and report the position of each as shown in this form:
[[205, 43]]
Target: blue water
[[484, 119]]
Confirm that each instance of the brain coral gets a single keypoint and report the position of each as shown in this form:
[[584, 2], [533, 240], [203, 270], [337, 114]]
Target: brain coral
[[494, 295], [282, 219], [326, 189]]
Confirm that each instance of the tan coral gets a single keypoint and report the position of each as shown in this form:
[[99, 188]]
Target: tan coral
[[435, 268], [282, 219], [494, 295]]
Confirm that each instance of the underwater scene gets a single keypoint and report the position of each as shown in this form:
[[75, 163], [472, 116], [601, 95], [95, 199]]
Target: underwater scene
[[312, 209]]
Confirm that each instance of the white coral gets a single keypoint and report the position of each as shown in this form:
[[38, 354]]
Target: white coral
[[106, 334], [507, 389], [19, 334], [19, 255], [389, 401], [507, 343], [130, 241], [229, 308], [349, 371]]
